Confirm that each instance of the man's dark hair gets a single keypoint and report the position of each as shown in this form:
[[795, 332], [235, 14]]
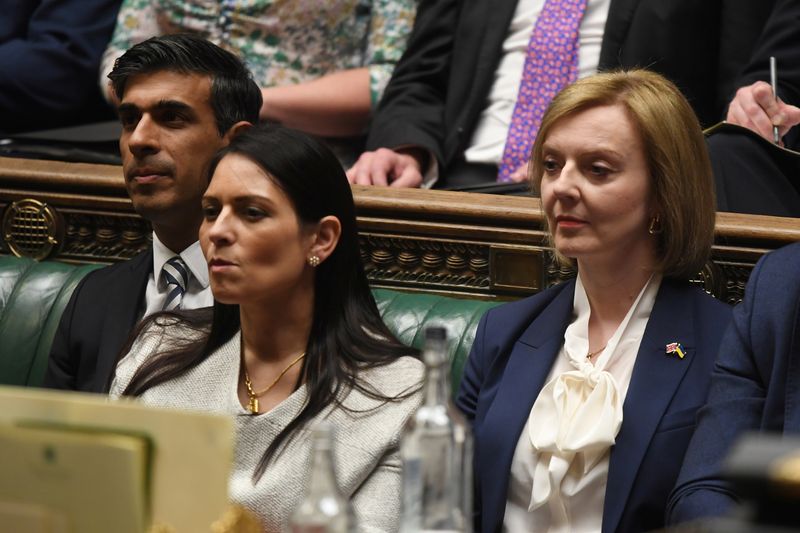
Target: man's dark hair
[[234, 94]]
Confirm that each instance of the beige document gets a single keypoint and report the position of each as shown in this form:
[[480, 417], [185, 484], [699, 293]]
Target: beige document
[[181, 458], [95, 482]]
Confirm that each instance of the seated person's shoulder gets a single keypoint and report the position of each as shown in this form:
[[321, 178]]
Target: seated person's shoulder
[[161, 334], [782, 257], [118, 272], [526, 308], [776, 275], [775, 280], [702, 298], [385, 391], [396, 378]]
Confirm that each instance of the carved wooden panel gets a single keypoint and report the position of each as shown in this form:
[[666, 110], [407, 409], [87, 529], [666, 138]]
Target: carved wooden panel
[[103, 237], [484, 246], [395, 260]]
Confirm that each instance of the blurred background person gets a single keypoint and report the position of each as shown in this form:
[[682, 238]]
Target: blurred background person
[[50, 52], [583, 397], [753, 388], [322, 65], [294, 336], [464, 104], [753, 176]]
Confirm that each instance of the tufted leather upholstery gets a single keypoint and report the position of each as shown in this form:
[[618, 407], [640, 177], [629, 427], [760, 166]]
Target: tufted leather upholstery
[[33, 295], [407, 314]]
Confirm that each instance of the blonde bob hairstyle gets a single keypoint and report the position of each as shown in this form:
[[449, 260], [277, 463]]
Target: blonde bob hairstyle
[[675, 150]]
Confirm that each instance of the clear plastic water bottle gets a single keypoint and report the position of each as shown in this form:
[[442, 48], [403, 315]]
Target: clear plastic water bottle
[[437, 452], [324, 509]]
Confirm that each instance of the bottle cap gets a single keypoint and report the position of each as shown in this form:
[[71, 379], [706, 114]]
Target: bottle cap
[[436, 333], [435, 350]]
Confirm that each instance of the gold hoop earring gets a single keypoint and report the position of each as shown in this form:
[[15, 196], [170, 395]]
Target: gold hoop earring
[[655, 226], [313, 261]]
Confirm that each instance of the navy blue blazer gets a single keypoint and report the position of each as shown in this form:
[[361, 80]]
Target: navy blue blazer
[[50, 53], [755, 384], [514, 350]]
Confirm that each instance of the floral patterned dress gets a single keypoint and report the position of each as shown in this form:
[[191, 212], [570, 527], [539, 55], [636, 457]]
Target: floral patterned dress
[[283, 42]]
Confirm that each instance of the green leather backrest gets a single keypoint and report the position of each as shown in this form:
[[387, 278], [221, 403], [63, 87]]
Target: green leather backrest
[[33, 296], [407, 314]]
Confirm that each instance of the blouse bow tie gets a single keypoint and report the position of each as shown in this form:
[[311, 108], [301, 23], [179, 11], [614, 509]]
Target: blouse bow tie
[[575, 418]]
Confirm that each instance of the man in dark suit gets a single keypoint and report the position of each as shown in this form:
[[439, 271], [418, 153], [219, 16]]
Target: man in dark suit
[[181, 98], [754, 386], [444, 82]]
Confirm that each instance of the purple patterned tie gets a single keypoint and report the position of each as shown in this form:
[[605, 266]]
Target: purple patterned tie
[[550, 65]]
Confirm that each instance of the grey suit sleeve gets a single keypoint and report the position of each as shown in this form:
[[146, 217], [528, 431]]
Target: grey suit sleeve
[[376, 503]]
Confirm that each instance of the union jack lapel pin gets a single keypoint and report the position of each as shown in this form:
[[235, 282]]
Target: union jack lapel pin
[[676, 348]]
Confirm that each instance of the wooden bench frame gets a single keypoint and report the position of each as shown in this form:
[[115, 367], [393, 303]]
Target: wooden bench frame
[[475, 245]]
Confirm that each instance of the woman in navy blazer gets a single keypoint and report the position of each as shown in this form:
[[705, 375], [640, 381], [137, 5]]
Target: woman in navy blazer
[[583, 397]]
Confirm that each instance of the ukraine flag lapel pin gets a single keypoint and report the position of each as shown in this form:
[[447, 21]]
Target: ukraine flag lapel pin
[[676, 348]]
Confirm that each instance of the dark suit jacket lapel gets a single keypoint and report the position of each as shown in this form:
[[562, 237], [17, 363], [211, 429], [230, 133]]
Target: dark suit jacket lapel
[[493, 19], [655, 378], [620, 15], [792, 393], [497, 19], [125, 301], [524, 376]]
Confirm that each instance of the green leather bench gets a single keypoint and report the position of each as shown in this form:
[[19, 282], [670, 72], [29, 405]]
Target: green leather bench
[[33, 295]]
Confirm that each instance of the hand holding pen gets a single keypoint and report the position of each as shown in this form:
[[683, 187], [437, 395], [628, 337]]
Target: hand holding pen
[[758, 108], [773, 81]]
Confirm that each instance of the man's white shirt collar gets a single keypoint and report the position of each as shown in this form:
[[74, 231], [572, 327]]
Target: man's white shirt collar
[[192, 256]]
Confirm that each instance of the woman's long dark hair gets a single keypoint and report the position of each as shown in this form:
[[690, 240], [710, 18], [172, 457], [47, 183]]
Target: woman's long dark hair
[[347, 333]]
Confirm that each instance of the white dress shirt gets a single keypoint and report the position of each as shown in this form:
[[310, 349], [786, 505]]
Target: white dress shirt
[[489, 136], [560, 467], [198, 293]]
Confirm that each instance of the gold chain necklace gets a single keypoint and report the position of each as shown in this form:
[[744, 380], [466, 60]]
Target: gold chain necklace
[[592, 354], [252, 405]]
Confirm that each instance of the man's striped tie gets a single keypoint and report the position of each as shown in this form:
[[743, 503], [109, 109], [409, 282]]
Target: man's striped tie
[[176, 274]]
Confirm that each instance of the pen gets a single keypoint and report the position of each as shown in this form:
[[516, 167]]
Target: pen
[[773, 75]]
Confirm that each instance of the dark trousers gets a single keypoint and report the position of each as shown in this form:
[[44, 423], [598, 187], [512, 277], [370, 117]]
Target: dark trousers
[[753, 177]]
